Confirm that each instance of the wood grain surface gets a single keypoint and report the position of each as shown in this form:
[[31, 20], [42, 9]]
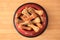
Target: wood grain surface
[[8, 8]]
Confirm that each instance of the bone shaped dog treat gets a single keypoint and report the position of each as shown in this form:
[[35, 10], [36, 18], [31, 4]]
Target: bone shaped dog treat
[[27, 19], [25, 12], [40, 12], [36, 29]]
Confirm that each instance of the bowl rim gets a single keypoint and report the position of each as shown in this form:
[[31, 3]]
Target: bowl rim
[[42, 9]]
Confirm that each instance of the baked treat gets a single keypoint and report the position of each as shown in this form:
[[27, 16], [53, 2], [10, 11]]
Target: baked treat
[[29, 16]]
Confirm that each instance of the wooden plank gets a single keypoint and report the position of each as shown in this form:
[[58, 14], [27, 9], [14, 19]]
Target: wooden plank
[[8, 8]]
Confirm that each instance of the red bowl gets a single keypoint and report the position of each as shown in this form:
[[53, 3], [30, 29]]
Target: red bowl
[[31, 33]]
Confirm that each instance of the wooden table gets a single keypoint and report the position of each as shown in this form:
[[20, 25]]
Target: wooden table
[[8, 8]]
